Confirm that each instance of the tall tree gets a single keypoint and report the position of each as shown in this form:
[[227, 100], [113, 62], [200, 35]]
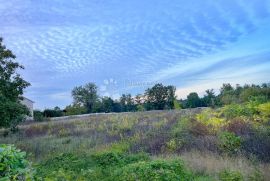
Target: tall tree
[[86, 95], [12, 85], [193, 100], [107, 104], [209, 98], [160, 97], [127, 103]]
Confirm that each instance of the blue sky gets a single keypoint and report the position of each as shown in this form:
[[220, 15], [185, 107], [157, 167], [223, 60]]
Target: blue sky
[[127, 46]]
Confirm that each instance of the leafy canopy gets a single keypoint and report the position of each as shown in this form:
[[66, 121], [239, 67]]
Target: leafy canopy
[[11, 88]]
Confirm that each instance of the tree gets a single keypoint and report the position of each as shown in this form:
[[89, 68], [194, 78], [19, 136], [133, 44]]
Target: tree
[[176, 105], [107, 104], [160, 97], [193, 100], [127, 103], [86, 95], [12, 112], [171, 96], [56, 112], [227, 94], [209, 98]]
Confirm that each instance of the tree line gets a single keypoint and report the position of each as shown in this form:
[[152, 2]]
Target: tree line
[[159, 97]]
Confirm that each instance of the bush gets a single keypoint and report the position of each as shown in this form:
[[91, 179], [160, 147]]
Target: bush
[[211, 119], [234, 110], [111, 159], [154, 170], [229, 142], [199, 129], [67, 162], [258, 144], [38, 116], [13, 165], [264, 110], [75, 109], [230, 176], [239, 127], [56, 112]]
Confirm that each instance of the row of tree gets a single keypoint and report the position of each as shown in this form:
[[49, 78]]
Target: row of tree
[[158, 97]]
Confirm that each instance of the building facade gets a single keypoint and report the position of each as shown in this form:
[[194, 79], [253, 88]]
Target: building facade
[[30, 105]]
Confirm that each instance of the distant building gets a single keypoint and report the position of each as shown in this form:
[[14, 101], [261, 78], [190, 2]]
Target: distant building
[[30, 105]]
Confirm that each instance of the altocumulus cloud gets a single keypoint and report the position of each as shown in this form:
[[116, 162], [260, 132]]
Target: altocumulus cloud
[[185, 43]]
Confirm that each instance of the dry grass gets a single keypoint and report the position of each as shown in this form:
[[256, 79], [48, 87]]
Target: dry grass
[[211, 164]]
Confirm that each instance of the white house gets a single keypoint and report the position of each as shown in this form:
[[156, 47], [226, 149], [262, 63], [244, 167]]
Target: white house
[[30, 105]]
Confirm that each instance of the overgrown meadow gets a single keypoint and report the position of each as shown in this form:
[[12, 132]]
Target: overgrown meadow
[[228, 143]]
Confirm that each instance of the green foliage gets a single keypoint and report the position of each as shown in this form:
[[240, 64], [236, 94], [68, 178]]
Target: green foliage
[[176, 105], [171, 145], [12, 112], [75, 109], [86, 95], [153, 170], [210, 119], [67, 162], [38, 116], [115, 159], [230, 176], [99, 166], [264, 110], [126, 103], [235, 110], [140, 108], [56, 112], [229, 142], [193, 100], [13, 165], [209, 99], [160, 97]]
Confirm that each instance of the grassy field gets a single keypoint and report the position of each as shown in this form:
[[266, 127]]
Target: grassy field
[[192, 144]]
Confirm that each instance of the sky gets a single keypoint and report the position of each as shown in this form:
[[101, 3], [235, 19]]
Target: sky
[[128, 46]]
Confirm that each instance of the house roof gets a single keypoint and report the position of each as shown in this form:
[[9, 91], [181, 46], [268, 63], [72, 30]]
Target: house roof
[[28, 99]]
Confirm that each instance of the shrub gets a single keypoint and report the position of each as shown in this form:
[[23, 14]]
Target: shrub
[[38, 116], [13, 165], [235, 110], [111, 159], [171, 145], [56, 112], [75, 109], [67, 162], [229, 142], [239, 127], [199, 129], [258, 144], [154, 170], [264, 110], [210, 119], [68, 175], [230, 176]]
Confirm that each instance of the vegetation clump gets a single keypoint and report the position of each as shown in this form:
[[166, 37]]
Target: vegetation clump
[[154, 170], [13, 164]]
